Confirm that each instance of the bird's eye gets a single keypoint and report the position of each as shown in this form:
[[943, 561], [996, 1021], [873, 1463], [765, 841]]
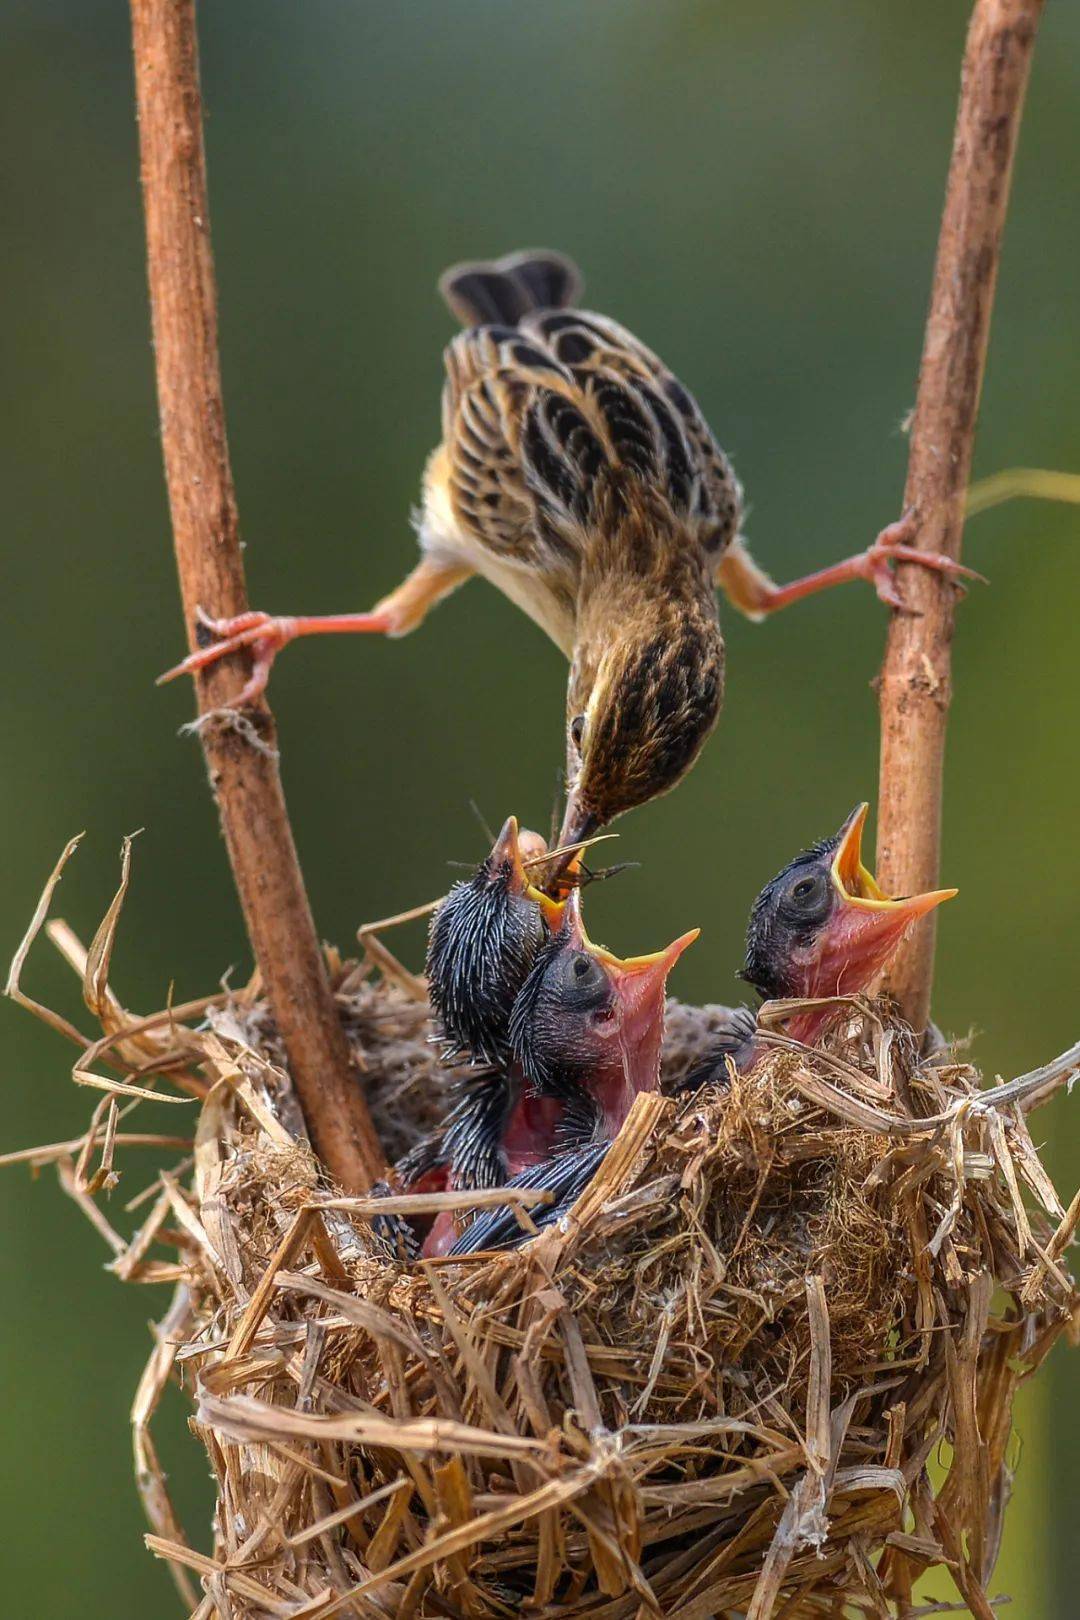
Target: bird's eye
[[577, 731], [809, 897], [584, 984]]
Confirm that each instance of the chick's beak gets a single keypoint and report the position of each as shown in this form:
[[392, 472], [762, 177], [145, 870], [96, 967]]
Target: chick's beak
[[506, 852], [866, 927], [849, 874], [637, 990], [552, 911], [639, 984], [511, 850]]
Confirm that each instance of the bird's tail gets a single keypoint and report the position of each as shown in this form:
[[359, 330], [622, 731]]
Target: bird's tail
[[501, 291]]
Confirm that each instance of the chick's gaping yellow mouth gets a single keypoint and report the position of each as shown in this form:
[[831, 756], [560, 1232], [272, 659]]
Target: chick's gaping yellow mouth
[[857, 885]]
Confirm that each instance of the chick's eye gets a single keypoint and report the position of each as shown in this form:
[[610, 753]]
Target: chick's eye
[[808, 896], [584, 984], [577, 731]]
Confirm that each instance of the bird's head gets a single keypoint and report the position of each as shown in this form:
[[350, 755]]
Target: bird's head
[[824, 927], [483, 941], [586, 1020], [641, 703]]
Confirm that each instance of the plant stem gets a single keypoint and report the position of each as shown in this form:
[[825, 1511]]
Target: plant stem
[[240, 753], [915, 685]]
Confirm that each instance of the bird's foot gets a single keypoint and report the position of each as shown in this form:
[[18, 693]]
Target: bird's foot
[[757, 595], [219, 637], [877, 563], [265, 635]]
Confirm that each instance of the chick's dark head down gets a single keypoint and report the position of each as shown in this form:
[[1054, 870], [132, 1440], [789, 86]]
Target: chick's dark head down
[[483, 941], [824, 927]]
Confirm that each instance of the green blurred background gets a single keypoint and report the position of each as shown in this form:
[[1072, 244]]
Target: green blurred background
[[755, 191]]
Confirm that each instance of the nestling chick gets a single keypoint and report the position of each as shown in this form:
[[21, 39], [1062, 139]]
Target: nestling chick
[[585, 1033], [587, 1027], [578, 475], [483, 941], [484, 938], [822, 927]]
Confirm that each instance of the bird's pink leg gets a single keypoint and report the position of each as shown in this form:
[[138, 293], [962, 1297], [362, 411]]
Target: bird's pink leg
[[754, 593], [266, 634]]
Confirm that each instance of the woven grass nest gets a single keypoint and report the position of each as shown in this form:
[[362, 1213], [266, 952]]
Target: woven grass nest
[[765, 1368]]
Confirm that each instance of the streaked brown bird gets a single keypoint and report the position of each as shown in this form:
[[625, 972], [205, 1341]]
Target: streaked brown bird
[[578, 475]]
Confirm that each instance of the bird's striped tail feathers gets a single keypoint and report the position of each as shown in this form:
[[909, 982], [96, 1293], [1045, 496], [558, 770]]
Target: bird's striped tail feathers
[[500, 291]]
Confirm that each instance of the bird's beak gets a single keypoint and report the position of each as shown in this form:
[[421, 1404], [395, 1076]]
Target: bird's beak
[[513, 847], [638, 983], [578, 822], [867, 926], [506, 852], [552, 911], [577, 825]]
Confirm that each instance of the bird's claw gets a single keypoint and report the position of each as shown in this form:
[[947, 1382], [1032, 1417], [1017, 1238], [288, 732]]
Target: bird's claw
[[217, 638], [893, 546]]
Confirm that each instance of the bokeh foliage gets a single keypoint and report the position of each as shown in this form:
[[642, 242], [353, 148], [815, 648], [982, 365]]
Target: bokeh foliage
[[754, 189]]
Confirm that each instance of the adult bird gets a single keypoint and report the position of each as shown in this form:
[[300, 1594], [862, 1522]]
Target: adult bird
[[823, 927], [578, 475], [585, 1035]]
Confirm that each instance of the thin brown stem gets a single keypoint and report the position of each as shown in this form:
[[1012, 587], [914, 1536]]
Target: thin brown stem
[[915, 688], [241, 762]]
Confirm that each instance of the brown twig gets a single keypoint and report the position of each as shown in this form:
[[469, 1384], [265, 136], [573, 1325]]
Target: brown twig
[[915, 686], [244, 778]]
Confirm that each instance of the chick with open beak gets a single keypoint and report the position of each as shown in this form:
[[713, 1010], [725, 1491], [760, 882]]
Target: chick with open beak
[[585, 1034], [822, 927], [587, 1026]]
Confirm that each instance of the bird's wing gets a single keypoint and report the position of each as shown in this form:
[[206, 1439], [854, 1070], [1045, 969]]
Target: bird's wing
[[646, 416], [564, 1177], [392, 1232], [473, 1129], [520, 452], [535, 416]]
